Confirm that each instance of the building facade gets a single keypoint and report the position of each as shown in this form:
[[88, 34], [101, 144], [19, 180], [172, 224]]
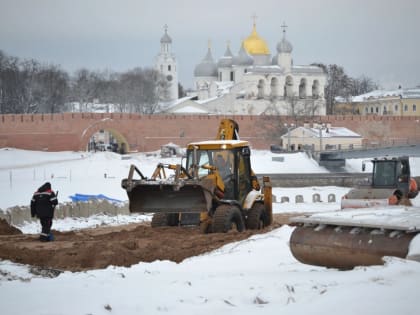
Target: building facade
[[400, 102], [320, 137]]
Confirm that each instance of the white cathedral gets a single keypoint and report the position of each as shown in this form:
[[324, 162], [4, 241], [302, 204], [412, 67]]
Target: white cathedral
[[252, 82]]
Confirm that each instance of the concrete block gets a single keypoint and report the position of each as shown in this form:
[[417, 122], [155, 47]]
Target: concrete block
[[331, 198], [299, 199], [316, 198]]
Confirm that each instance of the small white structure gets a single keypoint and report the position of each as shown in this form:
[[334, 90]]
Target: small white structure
[[319, 136]]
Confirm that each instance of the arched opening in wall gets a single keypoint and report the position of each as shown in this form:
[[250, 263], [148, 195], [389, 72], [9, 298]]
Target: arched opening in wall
[[302, 88], [107, 140], [261, 87], [315, 89], [288, 87], [274, 88]]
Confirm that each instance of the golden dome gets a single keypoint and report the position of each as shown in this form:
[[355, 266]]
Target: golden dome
[[255, 45]]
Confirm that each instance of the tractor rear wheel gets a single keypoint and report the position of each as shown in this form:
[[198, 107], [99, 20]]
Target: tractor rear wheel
[[165, 219], [257, 217], [226, 218]]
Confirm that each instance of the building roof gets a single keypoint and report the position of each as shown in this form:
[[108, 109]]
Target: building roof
[[307, 69], [380, 94], [326, 132]]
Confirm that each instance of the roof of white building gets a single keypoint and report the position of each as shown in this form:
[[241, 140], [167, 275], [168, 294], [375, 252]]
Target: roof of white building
[[326, 132], [378, 94]]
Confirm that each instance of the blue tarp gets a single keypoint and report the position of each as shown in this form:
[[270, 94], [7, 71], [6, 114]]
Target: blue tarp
[[84, 198]]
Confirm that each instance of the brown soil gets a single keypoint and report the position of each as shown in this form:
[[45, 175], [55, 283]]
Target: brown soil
[[6, 229], [119, 246]]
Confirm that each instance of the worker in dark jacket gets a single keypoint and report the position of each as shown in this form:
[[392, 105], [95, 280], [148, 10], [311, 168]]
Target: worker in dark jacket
[[43, 204]]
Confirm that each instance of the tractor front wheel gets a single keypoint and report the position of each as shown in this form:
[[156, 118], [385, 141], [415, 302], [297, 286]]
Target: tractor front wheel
[[257, 217], [226, 218]]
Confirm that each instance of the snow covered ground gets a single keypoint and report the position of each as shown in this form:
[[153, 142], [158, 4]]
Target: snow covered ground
[[255, 276]]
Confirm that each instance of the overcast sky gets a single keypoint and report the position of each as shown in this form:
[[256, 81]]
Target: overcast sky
[[376, 38]]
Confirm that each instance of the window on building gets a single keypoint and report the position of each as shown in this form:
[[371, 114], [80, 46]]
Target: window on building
[[377, 109], [371, 110], [414, 107], [220, 76], [385, 110], [366, 110], [169, 67], [396, 107], [232, 77], [405, 107]]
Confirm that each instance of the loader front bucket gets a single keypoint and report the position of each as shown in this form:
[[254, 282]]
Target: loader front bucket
[[155, 196]]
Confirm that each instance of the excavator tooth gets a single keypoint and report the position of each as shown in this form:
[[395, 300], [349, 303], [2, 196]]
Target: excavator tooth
[[395, 234], [320, 227], [355, 230], [377, 232]]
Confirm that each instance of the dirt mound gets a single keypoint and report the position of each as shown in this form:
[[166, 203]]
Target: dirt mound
[[6, 229], [118, 246]]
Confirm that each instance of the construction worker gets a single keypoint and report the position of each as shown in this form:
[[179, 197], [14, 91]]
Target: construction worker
[[43, 203], [223, 167], [226, 173]]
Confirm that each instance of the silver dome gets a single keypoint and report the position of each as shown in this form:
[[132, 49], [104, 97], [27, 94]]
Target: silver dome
[[166, 39], [227, 59], [243, 58], [207, 68], [284, 46]]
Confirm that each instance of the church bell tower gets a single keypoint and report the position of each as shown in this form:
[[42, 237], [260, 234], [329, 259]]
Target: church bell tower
[[166, 64]]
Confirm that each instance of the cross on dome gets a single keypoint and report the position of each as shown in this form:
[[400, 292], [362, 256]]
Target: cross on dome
[[254, 18], [284, 26]]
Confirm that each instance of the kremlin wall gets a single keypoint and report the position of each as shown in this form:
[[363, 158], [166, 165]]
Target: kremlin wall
[[73, 131]]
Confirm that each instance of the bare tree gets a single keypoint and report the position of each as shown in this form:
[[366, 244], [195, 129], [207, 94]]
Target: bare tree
[[362, 85], [28, 87], [84, 88], [54, 88]]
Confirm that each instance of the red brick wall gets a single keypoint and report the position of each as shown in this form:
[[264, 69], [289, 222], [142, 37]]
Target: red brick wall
[[71, 131]]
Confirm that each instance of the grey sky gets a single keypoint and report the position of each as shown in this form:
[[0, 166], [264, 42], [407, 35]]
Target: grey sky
[[377, 38]]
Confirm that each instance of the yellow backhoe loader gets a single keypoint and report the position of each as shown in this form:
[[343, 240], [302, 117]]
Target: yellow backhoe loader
[[215, 187]]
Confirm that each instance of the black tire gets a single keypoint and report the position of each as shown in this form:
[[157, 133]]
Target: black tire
[[164, 219], [227, 217], [257, 217]]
